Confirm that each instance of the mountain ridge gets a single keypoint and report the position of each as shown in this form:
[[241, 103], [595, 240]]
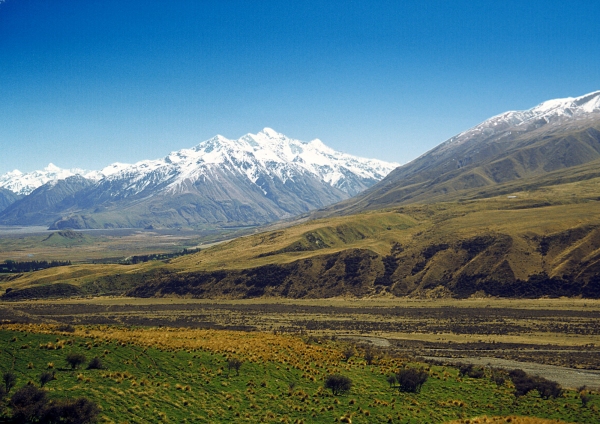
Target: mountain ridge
[[256, 179], [513, 146]]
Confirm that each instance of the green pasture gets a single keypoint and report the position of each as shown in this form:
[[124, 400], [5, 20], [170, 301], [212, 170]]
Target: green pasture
[[140, 385]]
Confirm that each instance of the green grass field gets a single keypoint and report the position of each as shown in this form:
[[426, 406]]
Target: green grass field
[[179, 375]]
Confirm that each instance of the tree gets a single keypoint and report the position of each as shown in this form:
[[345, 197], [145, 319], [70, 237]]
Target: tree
[[75, 359], [338, 383], [234, 363], [10, 379], [27, 403], [411, 380]]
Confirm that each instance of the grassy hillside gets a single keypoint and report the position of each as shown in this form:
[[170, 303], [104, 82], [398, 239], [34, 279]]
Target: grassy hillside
[[522, 244], [179, 375]]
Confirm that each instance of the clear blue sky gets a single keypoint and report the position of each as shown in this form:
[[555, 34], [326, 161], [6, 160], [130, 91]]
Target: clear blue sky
[[88, 83]]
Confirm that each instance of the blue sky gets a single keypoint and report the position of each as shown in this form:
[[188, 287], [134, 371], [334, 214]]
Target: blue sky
[[88, 83]]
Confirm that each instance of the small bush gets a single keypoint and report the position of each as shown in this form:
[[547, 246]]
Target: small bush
[[338, 384], [470, 371], [370, 355], [46, 377], [348, 353], [411, 380], [66, 328], [525, 383], [392, 380], [498, 376], [234, 363], [585, 399], [75, 359], [95, 364]]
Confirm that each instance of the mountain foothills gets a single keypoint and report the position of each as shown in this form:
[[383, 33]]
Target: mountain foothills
[[254, 180], [508, 208]]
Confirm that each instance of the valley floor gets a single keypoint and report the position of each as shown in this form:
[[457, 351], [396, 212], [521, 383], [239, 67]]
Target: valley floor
[[562, 333]]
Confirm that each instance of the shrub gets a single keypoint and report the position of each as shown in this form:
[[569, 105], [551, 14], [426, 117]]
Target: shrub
[[471, 371], [95, 364], [585, 399], [498, 376], [348, 353], [46, 377], [30, 404], [70, 411], [234, 363], [75, 359], [27, 403], [338, 384], [10, 379], [525, 383], [370, 355], [392, 380], [411, 380]]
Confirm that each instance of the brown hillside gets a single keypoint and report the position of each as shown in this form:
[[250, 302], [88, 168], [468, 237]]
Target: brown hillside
[[485, 166], [543, 242]]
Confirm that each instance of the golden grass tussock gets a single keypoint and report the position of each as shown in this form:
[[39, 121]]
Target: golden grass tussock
[[253, 346], [506, 420]]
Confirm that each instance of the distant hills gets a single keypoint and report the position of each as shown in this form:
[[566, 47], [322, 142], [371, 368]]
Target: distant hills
[[254, 180]]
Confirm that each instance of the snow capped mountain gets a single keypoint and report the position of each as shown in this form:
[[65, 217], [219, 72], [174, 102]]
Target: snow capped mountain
[[549, 112], [24, 183], [253, 180], [545, 143], [258, 157]]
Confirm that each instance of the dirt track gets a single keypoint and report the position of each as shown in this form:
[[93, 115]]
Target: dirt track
[[566, 377]]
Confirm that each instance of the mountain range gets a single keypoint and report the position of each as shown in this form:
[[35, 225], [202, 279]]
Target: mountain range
[[507, 208], [254, 180], [556, 141]]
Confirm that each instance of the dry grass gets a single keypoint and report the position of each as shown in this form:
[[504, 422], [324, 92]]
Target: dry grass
[[506, 420], [253, 346], [524, 219]]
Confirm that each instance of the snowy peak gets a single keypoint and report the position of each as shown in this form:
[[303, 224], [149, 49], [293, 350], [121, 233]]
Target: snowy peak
[[571, 105], [24, 183], [267, 155], [554, 112], [252, 180]]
